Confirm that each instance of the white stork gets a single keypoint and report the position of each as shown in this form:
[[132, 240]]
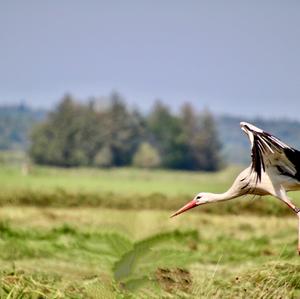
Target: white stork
[[275, 170]]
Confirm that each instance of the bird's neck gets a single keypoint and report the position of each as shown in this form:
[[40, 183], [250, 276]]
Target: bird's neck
[[229, 194]]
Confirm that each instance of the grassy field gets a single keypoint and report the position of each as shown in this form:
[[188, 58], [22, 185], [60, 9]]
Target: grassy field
[[127, 188], [58, 239], [127, 181]]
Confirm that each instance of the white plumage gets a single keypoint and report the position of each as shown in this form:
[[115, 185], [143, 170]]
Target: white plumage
[[275, 170]]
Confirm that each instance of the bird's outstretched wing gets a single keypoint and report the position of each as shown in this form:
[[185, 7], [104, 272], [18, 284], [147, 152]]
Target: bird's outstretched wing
[[269, 151]]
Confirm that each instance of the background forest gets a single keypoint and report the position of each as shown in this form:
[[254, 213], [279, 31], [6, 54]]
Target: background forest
[[107, 132], [112, 135]]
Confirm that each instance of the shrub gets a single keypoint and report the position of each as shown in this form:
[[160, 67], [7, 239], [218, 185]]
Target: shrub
[[103, 158], [146, 156]]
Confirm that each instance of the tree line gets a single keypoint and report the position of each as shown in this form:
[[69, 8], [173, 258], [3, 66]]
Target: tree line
[[112, 135]]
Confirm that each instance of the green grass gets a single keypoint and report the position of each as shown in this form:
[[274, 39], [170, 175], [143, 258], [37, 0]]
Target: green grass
[[88, 233], [97, 253], [127, 181], [126, 188]]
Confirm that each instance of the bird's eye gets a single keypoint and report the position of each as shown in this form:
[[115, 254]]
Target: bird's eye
[[198, 197]]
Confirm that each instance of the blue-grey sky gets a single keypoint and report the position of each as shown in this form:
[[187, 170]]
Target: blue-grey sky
[[238, 57]]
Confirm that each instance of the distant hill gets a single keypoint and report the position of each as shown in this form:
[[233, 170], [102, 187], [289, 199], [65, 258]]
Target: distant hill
[[16, 122]]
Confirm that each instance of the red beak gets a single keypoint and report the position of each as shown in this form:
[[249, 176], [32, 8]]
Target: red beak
[[188, 206]]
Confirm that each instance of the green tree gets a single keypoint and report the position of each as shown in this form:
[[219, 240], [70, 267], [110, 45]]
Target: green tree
[[201, 138], [190, 131], [165, 134], [66, 138], [206, 146], [124, 131]]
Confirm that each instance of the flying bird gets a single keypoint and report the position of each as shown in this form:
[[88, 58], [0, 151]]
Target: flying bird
[[274, 170]]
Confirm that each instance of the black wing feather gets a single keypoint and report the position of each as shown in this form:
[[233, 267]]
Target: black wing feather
[[264, 146], [257, 159], [294, 157]]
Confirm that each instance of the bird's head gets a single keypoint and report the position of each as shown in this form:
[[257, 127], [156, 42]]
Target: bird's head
[[200, 199]]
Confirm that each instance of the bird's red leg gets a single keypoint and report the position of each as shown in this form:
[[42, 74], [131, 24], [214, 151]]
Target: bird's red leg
[[298, 214], [297, 211]]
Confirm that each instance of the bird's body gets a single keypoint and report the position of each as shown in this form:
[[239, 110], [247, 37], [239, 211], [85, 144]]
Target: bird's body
[[275, 170]]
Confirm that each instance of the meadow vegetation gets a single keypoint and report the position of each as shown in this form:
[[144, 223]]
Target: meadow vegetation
[[87, 233], [126, 188]]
